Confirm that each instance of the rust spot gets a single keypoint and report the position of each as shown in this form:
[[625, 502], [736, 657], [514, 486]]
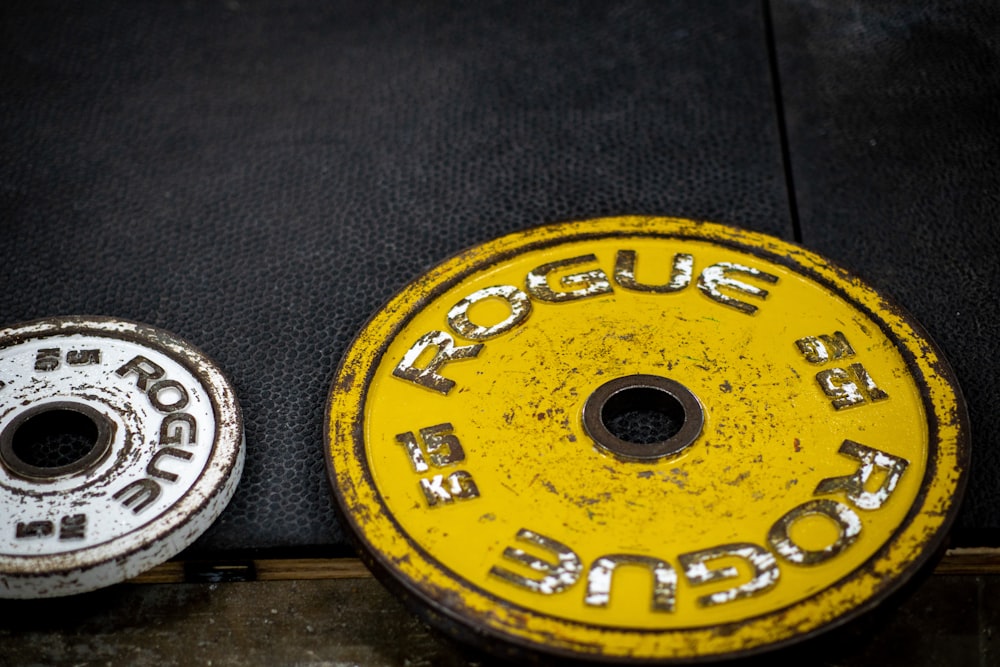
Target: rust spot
[[739, 478], [346, 382], [797, 444]]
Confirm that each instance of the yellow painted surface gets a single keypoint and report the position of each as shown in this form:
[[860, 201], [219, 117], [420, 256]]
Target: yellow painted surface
[[771, 435]]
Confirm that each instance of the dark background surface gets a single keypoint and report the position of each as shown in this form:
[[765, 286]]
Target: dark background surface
[[948, 620], [259, 177]]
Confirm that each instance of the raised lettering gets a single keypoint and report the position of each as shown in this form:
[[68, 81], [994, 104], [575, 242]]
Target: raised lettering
[[824, 348], [178, 429], [30, 529], [849, 387], [83, 357], [556, 577], [413, 451], [848, 527], [680, 277], [602, 571], [462, 486], [139, 494], [866, 382], [169, 387], [838, 385], [72, 527], [715, 277], [446, 352], [443, 447], [761, 562], [854, 485], [153, 468], [144, 369], [518, 301], [47, 359], [441, 490], [434, 490], [575, 286]]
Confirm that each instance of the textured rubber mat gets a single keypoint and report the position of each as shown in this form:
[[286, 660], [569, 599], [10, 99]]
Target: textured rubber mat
[[894, 146], [259, 177]]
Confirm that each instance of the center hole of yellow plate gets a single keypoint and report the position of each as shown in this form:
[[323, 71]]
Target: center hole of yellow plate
[[643, 417]]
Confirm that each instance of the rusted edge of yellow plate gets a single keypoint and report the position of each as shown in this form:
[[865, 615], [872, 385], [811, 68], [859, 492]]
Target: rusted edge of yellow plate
[[470, 613]]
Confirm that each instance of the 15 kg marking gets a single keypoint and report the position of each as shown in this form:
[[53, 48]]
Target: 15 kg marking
[[442, 449], [846, 387]]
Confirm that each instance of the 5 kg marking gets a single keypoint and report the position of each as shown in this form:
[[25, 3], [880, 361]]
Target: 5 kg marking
[[71, 527]]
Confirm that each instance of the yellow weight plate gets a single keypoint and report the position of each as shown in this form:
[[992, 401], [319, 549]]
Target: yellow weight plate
[[644, 439]]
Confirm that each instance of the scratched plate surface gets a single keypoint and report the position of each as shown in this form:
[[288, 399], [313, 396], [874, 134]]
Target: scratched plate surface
[[260, 176], [816, 458], [166, 452]]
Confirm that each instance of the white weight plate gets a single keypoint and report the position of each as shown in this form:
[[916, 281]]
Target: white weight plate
[[162, 452]]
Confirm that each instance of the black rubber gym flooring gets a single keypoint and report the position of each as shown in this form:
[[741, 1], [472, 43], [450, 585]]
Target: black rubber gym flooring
[[259, 177]]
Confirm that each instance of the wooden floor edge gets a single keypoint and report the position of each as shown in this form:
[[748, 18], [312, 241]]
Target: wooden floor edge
[[970, 561]]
